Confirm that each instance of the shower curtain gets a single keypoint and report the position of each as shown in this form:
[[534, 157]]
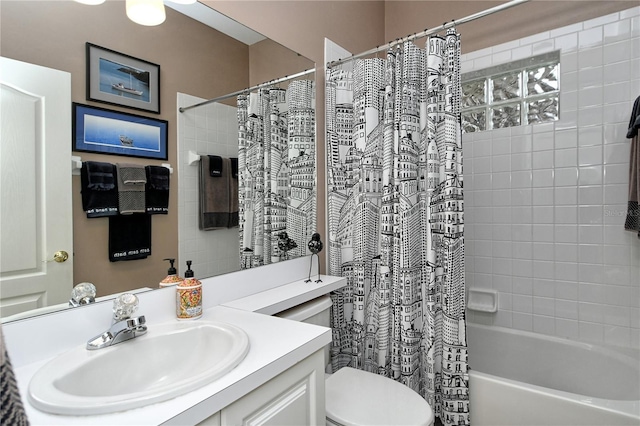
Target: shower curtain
[[276, 173], [395, 220]]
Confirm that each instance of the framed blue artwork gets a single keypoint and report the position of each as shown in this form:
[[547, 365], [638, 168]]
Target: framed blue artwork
[[117, 133], [119, 79]]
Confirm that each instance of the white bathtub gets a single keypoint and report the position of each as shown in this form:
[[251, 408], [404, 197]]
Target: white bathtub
[[522, 378]]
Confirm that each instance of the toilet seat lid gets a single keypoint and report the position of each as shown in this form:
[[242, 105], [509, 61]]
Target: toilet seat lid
[[356, 397]]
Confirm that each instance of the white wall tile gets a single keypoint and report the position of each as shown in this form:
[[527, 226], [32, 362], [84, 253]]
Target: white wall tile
[[561, 190], [543, 251], [567, 43], [591, 115], [616, 73], [617, 52], [616, 31], [501, 57], [587, 77], [590, 37], [543, 177], [542, 160], [567, 328], [601, 20], [574, 28], [521, 52], [591, 57], [616, 153], [566, 308], [590, 155], [566, 252], [542, 47]]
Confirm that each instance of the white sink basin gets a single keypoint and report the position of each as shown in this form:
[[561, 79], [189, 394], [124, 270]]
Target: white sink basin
[[171, 359]]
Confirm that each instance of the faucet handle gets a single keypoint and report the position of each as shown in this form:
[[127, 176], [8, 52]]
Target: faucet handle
[[83, 294], [124, 306]]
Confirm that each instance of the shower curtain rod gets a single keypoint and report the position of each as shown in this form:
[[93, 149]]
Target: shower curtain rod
[[258, 86], [428, 32]]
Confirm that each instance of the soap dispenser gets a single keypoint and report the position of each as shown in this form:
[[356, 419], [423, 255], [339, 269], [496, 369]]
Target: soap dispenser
[[172, 277], [189, 296]]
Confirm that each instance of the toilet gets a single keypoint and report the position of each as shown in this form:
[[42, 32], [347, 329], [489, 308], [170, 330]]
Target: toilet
[[355, 397]]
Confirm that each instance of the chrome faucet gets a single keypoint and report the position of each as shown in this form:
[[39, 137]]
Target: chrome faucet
[[123, 327]]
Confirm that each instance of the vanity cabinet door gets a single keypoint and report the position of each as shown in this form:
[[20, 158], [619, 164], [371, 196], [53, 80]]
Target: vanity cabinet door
[[295, 397]]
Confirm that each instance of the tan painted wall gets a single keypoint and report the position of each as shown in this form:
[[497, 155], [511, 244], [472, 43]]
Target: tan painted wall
[[53, 34], [268, 59]]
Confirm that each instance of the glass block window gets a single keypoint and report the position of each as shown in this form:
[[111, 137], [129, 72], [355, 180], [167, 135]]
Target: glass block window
[[514, 94]]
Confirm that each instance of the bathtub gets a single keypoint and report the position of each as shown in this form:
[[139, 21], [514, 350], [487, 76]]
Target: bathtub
[[523, 378]]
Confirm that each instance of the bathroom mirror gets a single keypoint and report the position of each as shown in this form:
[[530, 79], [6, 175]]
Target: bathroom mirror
[[53, 34]]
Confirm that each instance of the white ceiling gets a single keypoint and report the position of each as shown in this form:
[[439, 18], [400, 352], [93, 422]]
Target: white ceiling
[[217, 20]]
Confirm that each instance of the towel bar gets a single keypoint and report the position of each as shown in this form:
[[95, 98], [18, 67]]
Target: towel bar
[[76, 165], [192, 157]]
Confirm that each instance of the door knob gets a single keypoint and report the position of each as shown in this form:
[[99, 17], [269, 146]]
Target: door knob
[[59, 256]]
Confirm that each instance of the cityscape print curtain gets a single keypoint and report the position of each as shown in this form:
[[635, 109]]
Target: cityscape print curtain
[[395, 220], [276, 173]]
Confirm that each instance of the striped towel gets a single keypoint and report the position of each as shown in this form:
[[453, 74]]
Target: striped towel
[[131, 184], [11, 408]]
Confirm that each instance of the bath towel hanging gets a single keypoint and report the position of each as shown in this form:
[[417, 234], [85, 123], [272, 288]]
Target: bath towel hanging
[[157, 190], [214, 194], [99, 189], [632, 222]]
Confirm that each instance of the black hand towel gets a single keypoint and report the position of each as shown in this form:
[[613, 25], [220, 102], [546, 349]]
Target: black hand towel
[[233, 195], [129, 237], [99, 189], [157, 190], [634, 122], [214, 196], [632, 222], [215, 166]]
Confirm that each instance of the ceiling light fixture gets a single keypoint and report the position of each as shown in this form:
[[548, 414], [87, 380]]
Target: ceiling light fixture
[[146, 12], [143, 12]]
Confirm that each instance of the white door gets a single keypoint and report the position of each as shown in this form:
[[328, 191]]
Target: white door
[[35, 186]]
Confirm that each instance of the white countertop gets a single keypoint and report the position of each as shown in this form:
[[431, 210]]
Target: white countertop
[[287, 296], [275, 345]]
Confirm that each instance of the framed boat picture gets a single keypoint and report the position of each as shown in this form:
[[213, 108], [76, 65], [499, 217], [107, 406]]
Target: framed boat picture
[[119, 79], [118, 133]]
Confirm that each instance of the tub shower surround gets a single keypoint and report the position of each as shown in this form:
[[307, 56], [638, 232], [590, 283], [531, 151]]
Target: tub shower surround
[[210, 129], [276, 180], [395, 220], [546, 203]]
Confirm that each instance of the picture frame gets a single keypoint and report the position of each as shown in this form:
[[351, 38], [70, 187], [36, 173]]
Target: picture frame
[[111, 132], [119, 79]]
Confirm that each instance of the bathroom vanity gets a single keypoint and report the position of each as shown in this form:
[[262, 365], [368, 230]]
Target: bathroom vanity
[[281, 379]]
